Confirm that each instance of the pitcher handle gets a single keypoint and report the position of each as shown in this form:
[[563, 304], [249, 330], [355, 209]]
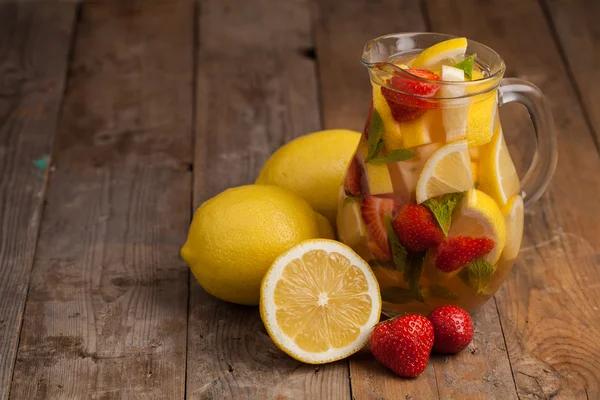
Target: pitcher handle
[[545, 155]]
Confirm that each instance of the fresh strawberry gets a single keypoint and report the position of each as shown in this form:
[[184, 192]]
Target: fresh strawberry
[[416, 228], [403, 344], [452, 328], [373, 211], [352, 180], [366, 130], [456, 252], [403, 101]]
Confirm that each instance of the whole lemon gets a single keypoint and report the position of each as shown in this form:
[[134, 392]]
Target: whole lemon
[[235, 237], [313, 166]]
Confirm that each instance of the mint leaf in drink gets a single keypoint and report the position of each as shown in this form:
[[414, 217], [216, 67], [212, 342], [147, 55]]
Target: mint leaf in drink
[[467, 65], [350, 198], [375, 141], [392, 156], [442, 209], [441, 292], [398, 251], [477, 274], [397, 295]]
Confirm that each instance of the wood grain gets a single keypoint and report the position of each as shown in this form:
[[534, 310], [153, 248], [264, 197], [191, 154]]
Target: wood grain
[[256, 89], [576, 24], [484, 370], [549, 304], [106, 311], [34, 45]]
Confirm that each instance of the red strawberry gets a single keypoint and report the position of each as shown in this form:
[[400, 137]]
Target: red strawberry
[[366, 130], [352, 180], [452, 328], [403, 344], [416, 228], [406, 106], [373, 211], [456, 252]]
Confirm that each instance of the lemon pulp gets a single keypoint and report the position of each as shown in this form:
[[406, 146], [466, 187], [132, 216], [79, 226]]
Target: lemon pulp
[[478, 215], [448, 170], [319, 301]]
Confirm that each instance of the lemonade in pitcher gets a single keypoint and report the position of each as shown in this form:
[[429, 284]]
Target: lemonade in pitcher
[[432, 199]]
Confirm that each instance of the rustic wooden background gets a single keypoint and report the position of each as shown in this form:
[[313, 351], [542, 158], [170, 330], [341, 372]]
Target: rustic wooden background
[[145, 109]]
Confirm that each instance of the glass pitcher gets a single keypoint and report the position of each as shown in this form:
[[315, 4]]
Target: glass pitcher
[[431, 198]]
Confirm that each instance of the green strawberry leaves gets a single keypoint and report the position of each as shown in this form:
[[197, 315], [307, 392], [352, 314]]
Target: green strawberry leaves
[[392, 156], [442, 209], [375, 141], [467, 65], [477, 274], [398, 251]]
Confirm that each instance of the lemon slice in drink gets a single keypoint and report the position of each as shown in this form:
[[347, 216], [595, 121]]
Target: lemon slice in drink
[[432, 57], [456, 114], [448, 170], [403, 135], [350, 226], [477, 215], [498, 176], [513, 217], [482, 119], [319, 301]]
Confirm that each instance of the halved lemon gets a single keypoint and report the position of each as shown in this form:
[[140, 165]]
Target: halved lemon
[[319, 301], [498, 175], [452, 50], [513, 218], [477, 215], [448, 170]]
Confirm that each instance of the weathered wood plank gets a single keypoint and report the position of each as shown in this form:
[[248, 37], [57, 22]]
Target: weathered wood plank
[[342, 30], [106, 312], [34, 45], [576, 24], [549, 304], [256, 89]]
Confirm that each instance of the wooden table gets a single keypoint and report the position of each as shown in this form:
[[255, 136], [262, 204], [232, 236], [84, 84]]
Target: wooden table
[[142, 110]]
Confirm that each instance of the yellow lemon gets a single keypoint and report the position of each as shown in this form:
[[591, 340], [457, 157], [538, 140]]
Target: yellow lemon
[[482, 119], [235, 236], [513, 217], [313, 166], [497, 173], [324, 227], [433, 57], [319, 301], [478, 215], [448, 170]]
